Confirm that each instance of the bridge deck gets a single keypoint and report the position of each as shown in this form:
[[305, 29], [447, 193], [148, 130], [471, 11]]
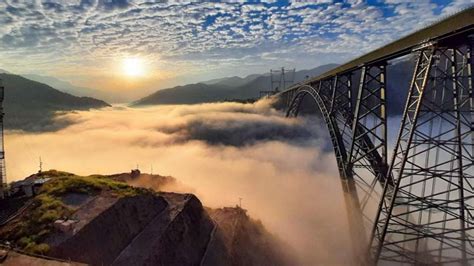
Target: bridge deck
[[454, 25]]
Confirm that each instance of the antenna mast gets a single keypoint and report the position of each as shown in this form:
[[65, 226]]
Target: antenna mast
[[40, 165], [3, 170]]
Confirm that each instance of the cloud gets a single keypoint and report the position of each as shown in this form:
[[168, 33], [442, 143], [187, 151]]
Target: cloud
[[173, 32], [230, 124], [291, 185], [113, 4]]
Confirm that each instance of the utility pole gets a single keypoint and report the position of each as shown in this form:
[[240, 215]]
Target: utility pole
[[40, 165], [280, 79], [240, 203]]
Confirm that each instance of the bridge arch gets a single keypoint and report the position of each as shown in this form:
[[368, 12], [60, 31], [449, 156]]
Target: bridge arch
[[353, 207], [336, 137]]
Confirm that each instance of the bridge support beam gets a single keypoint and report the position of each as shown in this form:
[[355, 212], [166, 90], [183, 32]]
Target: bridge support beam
[[333, 96], [370, 123], [426, 217], [341, 112]]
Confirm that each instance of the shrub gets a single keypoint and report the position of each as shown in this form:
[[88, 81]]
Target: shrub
[[40, 249], [37, 223], [49, 216]]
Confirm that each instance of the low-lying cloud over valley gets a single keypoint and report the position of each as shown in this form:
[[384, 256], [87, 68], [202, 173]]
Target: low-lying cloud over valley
[[283, 169]]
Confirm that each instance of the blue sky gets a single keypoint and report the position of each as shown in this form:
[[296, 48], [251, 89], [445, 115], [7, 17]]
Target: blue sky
[[186, 41]]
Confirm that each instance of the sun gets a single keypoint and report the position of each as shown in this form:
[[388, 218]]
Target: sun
[[133, 67]]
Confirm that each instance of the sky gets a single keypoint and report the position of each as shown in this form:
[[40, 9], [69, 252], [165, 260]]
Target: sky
[[143, 45]]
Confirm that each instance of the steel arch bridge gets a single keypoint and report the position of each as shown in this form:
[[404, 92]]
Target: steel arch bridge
[[418, 206]]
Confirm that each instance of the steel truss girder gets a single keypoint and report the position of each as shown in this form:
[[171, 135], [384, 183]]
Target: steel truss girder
[[334, 96], [340, 110], [426, 217], [327, 100], [369, 126], [364, 166]]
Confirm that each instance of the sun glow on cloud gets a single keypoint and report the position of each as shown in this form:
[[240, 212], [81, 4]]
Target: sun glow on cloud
[[133, 67]]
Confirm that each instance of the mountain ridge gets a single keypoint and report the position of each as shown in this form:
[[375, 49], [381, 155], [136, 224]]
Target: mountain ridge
[[30, 105], [222, 88], [80, 91]]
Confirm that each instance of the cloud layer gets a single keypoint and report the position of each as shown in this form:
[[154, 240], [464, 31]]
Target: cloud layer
[[82, 37], [289, 183]]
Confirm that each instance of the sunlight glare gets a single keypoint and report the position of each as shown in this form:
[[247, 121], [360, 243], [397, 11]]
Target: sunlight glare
[[133, 67]]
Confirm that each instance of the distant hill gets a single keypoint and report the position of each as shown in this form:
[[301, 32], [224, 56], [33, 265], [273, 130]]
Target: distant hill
[[30, 105], [70, 88], [222, 89], [237, 88], [234, 81]]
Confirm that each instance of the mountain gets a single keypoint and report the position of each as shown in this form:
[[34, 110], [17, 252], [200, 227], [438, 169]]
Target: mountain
[[234, 81], [101, 221], [222, 89], [30, 105], [188, 94], [399, 75], [70, 88], [62, 85]]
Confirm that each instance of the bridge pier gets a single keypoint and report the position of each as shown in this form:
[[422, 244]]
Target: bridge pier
[[358, 234], [333, 99], [432, 165]]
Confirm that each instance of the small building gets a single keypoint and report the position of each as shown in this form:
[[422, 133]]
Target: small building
[[29, 186]]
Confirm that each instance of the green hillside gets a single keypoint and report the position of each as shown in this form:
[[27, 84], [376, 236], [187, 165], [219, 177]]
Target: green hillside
[[30, 105]]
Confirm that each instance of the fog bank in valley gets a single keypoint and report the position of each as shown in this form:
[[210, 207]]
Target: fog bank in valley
[[283, 169]]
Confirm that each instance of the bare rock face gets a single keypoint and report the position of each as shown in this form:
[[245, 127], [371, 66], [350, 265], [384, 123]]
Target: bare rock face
[[165, 229], [106, 225], [169, 229], [240, 240], [178, 236]]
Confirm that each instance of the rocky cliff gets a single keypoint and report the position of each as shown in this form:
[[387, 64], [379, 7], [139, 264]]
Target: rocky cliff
[[100, 221], [241, 240]]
